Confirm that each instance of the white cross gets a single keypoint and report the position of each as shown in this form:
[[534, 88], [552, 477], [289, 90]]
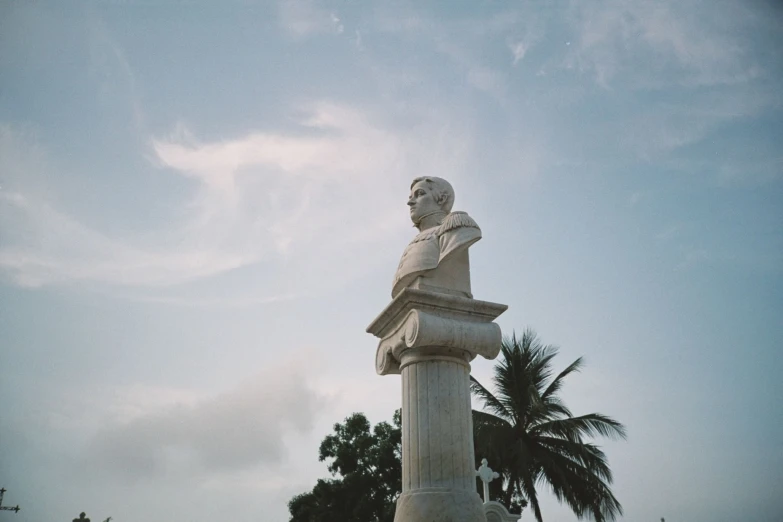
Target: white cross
[[486, 475]]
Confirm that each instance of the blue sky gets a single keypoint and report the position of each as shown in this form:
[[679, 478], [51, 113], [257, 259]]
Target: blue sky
[[202, 207]]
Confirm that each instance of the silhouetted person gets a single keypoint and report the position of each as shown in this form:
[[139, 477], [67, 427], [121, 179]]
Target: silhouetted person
[[82, 518]]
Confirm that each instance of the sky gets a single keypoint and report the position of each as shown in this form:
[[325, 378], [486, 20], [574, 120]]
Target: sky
[[202, 206]]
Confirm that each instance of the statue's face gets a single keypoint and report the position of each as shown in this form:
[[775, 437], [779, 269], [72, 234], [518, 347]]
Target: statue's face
[[422, 201]]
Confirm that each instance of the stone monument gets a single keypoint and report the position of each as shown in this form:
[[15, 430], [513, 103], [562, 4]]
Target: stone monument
[[486, 475], [429, 333], [494, 511]]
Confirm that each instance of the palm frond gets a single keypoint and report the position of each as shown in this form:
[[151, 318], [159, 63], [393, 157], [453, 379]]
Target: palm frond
[[575, 428], [557, 383], [490, 401], [548, 409], [484, 419], [583, 490], [492, 436], [527, 486], [491, 432], [521, 374], [585, 454]]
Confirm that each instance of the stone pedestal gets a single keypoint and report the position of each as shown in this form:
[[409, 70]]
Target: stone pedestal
[[430, 338]]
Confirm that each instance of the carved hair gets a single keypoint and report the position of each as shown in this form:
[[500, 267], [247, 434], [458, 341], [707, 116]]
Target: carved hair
[[442, 191]]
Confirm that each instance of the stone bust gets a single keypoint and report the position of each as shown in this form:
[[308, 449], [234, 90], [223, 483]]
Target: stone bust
[[437, 258]]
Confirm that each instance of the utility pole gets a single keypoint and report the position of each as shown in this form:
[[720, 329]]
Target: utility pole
[[15, 509]]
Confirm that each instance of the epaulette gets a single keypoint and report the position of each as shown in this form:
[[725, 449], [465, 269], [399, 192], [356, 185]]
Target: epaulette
[[456, 219]]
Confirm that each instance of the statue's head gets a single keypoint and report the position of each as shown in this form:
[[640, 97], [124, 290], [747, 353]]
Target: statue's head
[[428, 196]]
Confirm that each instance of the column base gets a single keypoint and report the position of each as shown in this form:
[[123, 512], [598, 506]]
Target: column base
[[439, 505]]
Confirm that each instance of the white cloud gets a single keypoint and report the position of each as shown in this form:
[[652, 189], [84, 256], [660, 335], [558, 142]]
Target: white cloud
[[358, 40], [346, 146], [237, 430], [339, 27], [526, 32], [305, 18], [518, 50]]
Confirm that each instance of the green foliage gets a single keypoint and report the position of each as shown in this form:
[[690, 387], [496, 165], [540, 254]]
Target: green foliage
[[367, 474], [530, 437]]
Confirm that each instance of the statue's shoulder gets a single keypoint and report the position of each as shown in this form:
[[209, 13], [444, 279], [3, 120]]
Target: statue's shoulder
[[457, 219]]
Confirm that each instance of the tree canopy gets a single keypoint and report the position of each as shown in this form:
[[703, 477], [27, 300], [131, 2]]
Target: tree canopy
[[366, 474]]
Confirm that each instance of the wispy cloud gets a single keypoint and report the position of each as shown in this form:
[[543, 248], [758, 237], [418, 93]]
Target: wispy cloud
[[669, 232], [676, 42], [744, 171], [259, 196], [518, 50], [43, 245], [658, 129], [527, 31], [477, 74], [343, 144], [305, 18], [459, 41]]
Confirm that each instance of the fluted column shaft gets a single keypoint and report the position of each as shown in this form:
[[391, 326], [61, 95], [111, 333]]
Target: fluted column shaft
[[438, 479], [437, 425]]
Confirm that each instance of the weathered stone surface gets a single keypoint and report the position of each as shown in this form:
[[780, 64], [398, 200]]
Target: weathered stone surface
[[437, 258], [497, 512], [439, 505], [428, 322]]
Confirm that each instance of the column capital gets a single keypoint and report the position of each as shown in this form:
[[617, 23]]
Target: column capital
[[434, 325]]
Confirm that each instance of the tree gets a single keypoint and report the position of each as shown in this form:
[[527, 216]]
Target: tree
[[530, 436], [367, 471]]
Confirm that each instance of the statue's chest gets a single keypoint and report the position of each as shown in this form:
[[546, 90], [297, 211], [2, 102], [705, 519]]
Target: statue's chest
[[421, 252]]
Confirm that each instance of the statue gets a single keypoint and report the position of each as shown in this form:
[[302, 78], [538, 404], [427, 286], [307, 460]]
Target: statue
[[82, 518], [437, 258], [428, 334]]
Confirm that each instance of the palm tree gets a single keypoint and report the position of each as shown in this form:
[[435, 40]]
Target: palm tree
[[532, 437]]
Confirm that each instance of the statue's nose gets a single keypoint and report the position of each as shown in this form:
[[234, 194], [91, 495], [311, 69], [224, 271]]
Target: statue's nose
[[410, 202]]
